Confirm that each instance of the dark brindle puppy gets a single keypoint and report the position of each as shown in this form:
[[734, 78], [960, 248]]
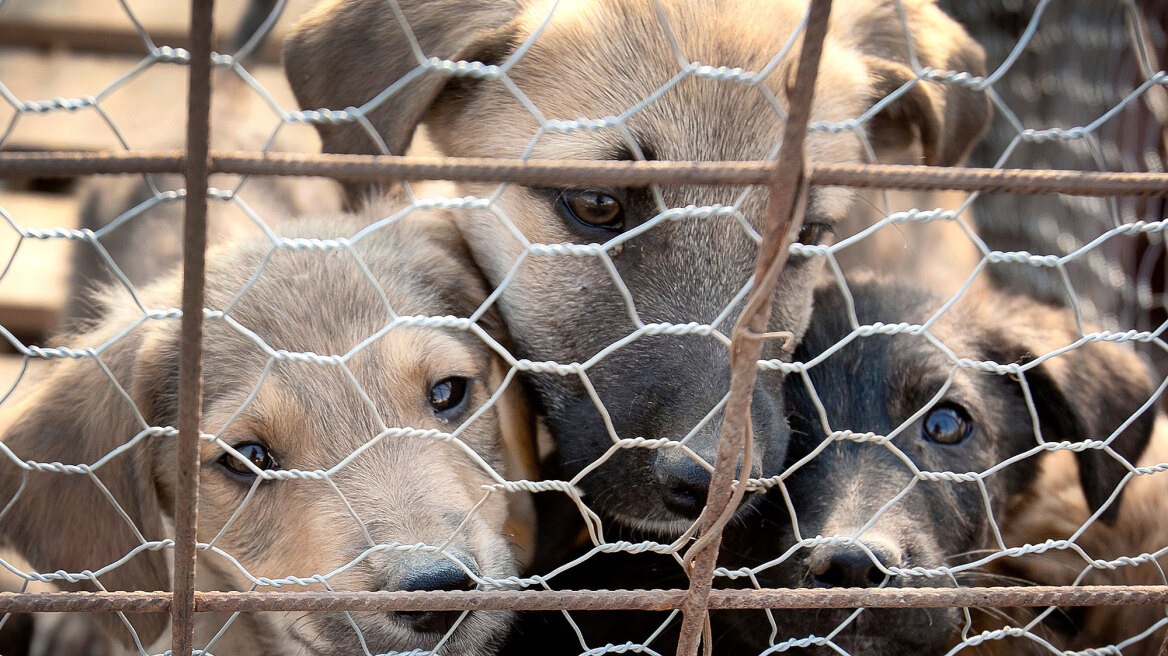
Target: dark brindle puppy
[[941, 419], [602, 59]]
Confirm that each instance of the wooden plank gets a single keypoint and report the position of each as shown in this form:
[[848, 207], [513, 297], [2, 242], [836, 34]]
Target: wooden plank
[[166, 21], [106, 40], [35, 287], [149, 110]]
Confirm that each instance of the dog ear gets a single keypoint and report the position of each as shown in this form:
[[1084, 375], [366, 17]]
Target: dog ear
[[1086, 393], [944, 119], [346, 52], [77, 415]]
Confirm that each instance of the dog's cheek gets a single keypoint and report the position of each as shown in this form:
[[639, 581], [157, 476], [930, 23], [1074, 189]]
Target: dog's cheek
[[792, 305]]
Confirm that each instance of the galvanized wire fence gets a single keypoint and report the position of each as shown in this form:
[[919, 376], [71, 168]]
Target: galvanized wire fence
[[337, 532]]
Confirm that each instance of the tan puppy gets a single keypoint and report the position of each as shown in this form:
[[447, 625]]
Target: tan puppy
[[1055, 509], [646, 76], [367, 486]]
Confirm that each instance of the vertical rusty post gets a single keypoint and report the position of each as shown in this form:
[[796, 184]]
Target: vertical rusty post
[[190, 389], [783, 204]]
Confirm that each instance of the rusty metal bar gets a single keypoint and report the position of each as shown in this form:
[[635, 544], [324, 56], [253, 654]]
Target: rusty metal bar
[[787, 193], [779, 598], [364, 168], [190, 389], [14, 164], [73, 602]]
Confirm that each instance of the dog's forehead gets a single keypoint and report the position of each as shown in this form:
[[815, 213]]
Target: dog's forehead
[[617, 34], [617, 57]]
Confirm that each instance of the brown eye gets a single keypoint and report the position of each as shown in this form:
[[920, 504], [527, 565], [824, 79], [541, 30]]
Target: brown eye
[[448, 394], [592, 208], [948, 424], [815, 233], [255, 453]]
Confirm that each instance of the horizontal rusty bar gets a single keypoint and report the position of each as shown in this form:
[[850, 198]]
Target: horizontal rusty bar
[[70, 602], [369, 168], [1014, 181], [15, 164], [1004, 597], [561, 172]]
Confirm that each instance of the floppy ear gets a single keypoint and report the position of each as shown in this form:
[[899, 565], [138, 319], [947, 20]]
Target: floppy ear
[[1083, 394], [945, 120], [1087, 394], [346, 52], [77, 416]]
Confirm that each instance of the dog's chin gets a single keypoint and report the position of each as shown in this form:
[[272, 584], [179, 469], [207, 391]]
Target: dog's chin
[[478, 633], [663, 524], [668, 526], [898, 632]]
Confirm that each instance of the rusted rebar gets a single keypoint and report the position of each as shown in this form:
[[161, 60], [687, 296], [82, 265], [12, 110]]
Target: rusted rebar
[[190, 386], [779, 598], [365, 168], [787, 193]]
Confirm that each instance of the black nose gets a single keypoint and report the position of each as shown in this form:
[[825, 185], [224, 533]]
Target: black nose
[[440, 574], [849, 566], [685, 482]]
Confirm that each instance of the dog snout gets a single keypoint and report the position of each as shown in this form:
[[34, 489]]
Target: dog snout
[[684, 481], [851, 566], [436, 574]]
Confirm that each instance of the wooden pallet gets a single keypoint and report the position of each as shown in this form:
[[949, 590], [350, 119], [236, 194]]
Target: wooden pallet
[[77, 48], [34, 288], [104, 26], [149, 111]]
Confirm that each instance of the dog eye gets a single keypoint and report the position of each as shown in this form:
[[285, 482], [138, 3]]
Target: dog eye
[[814, 233], [948, 424], [255, 453], [448, 394], [592, 208]]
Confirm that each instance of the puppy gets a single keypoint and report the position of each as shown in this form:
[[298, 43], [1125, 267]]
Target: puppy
[[873, 506], [618, 59], [306, 481], [1054, 509]]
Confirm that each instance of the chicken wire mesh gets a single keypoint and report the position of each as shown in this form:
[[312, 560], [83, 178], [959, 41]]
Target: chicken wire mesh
[[919, 401]]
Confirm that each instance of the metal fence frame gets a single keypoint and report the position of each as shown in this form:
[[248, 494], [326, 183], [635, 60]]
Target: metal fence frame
[[785, 178]]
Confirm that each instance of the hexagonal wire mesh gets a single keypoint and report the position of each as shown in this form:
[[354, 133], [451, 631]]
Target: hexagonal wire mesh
[[953, 363]]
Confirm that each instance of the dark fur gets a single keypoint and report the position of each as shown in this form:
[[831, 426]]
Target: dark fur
[[876, 384]]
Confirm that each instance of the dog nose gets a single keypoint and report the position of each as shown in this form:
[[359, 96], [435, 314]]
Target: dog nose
[[685, 482], [849, 566], [439, 574]]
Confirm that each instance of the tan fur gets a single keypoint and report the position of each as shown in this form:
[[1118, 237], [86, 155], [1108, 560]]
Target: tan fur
[[602, 58], [405, 490], [1055, 509], [938, 255]]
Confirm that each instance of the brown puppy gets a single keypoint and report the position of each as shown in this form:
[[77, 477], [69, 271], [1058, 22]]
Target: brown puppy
[[668, 80], [1131, 551], [309, 478], [933, 445]]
